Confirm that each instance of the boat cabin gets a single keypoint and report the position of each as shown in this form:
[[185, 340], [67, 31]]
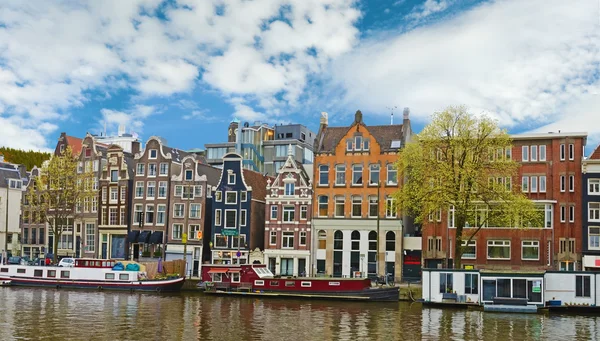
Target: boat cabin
[[94, 263]]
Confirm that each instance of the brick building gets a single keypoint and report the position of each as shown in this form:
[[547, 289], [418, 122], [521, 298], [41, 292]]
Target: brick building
[[550, 175], [358, 231], [288, 220]]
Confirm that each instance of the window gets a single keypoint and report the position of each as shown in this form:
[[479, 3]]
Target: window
[[571, 183], [358, 143], [114, 175], [221, 241], [138, 212], [160, 214], [230, 219], [323, 175], [594, 211], [139, 189], [530, 250], [498, 249], [446, 283], [356, 206], [179, 191], [303, 212], [151, 190], [582, 286], [563, 214], [390, 208], [562, 183], [164, 168], [469, 249], [90, 237], [162, 189], [152, 169], [231, 179], [302, 238], [349, 145], [542, 153], [525, 153], [571, 151], [273, 212], [471, 284], [123, 193], [243, 196], [562, 152], [542, 184], [594, 237], [322, 235], [390, 241], [366, 144], [189, 175], [525, 184], [217, 217], [340, 175], [177, 231], [235, 240], [288, 213], [571, 213], [391, 174], [339, 206], [195, 211], [140, 169], [218, 196], [287, 240], [112, 216], [153, 153], [374, 174], [373, 206], [534, 154], [178, 210], [289, 189], [357, 175], [235, 277], [594, 186], [323, 205], [114, 194], [149, 214], [230, 197], [64, 274], [273, 238], [124, 277], [534, 184]]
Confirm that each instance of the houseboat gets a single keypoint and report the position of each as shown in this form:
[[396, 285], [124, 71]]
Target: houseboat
[[553, 291], [258, 280], [97, 274]]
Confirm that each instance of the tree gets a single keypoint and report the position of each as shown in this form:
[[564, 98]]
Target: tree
[[461, 164], [57, 192]]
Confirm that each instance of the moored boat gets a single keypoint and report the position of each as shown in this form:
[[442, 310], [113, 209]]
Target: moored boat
[[258, 280], [97, 274]]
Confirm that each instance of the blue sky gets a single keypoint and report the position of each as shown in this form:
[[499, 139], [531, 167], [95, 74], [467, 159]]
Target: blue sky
[[182, 69]]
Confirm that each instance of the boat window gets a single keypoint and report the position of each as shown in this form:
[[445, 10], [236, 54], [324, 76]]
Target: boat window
[[290, 283], [235, 277], [38, 273], [334, 283], [64, 274], [217, 277], [274, 283], [20, 271], [87, 263], [51, 273], [103, 264], [98, 263], [306, 284], [109, 275], [259, 282], [124, 277], [4, 270]]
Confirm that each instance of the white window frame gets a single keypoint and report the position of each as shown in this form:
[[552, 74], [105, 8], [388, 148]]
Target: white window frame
[[175, 210], [355, 171], [594, 212], [525, 153], [274, 212], [525, 184], [289, 189], [534, 184], [562, 152], [152, 166], [272, 237], [571, 183], [542, 150], [563, 213], [390, 211], [374, 168], [571, 213], [571, 151], [227, 202], [596, 236], [324, 170], [542, 184], [234, 222], [180, 235], [160, 185], [533, 155], [390, 170], [218, 217], [218, 196], [140, 169], [290, 217], [243, 218], [231, 179], [303, 212], [342, 172], [153, 151], [502, 243], [472, 243], [593, 187], [301, 235], [287, 235], [563, 184], [530, 244], [166, 168], [161, 210], [199, 211]]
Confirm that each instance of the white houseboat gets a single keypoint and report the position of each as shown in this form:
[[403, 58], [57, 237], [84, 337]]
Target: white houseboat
[[86, 274]]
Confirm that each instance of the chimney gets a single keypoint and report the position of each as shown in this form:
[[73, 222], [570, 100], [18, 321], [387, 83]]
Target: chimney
[[392, 119], [324, 119], [135, 147], [22, 171], [406, 113]]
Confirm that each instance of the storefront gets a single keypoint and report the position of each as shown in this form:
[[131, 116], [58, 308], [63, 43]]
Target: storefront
[[591, 263]]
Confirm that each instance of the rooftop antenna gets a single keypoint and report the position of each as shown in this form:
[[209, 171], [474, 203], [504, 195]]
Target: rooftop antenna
[[104, 127], [392, 113]]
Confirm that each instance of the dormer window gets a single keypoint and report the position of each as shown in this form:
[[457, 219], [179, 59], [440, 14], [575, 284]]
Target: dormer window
[[88, 152], [289, 189], [153, 153], [231, 179], [15, 184], [349, 145], [114, 175], [358, 143], [366, 144], [189, 175]]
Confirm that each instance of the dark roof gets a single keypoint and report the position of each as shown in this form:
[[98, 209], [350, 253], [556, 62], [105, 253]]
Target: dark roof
[[213, 175], [8, 171], [176, 154], [258, 182], [383, 134]]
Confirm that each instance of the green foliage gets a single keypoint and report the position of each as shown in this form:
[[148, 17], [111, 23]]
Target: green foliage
[[28, 158], [463, 162]]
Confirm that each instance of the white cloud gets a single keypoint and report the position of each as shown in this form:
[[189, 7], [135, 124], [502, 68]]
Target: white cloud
[[53, 55], [132, 119], [526, 62], [429, 7]]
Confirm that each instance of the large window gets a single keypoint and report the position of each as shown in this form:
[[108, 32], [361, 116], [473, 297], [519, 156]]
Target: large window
[[151, 190], [177, 231], [230, 197], [149, 214], [530, 250], [469, 249], [594, 186], [582, 286], [594, 237], [288, 213], [525, 153], [195, 211], [392, 175], [230, 219], [356, 206], [594, 211], [498, 249], [357, 174], [374, 174], [114, 175], [323, 175], [289, 189], [164, 168], [471, 284], [152, 169], [162, 189], [390, 241], [90, 237], [139, 189], [390, 207], [323, 205], [140, 169], [446, 283], [338, 245], [340, 175], [178, 210], [322, 235], [220, 240], [287, 240], [160, 214], [373, 206], [339, 206]]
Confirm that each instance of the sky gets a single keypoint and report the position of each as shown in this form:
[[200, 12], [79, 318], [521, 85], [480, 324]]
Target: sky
[[183, 69]]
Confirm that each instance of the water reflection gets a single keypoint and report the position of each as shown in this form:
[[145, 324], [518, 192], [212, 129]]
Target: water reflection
[[77, 315]]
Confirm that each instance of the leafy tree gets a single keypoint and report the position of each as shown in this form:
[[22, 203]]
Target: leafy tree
[[28, 158], [57, 191], [461, 164]]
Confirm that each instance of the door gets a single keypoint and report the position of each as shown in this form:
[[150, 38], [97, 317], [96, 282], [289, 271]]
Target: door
[[287, 267], [196, 264], [302, 267], [272, 262], [104, 251], [136, 251]]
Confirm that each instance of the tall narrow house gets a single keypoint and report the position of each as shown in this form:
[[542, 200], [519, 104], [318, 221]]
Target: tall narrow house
[[288, 232], [590, 210]]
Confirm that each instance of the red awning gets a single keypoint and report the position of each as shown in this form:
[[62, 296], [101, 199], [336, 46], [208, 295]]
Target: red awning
[[235, 270], [217, 271]]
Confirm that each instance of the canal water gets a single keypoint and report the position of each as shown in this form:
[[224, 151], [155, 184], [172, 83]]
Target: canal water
[[50, 314]]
